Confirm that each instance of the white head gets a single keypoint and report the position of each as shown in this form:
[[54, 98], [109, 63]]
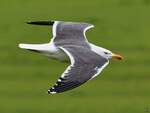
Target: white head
[[108, 54], [105, 53]]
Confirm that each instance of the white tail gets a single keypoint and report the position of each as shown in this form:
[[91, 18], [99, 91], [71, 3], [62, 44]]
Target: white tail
[[38, 47]]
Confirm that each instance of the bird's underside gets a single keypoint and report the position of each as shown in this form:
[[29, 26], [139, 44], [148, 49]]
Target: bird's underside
[[70, 38]]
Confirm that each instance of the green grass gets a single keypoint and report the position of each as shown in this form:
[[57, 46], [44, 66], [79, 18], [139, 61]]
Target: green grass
[[122, 26]]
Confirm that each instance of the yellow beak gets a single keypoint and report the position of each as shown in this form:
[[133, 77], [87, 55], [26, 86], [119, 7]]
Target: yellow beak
[[117, 57]]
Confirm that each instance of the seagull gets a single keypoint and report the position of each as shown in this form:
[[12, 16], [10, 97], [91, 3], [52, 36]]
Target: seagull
[[69, 44]]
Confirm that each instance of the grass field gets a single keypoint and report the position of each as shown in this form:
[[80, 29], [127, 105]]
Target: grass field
[[122, 26]]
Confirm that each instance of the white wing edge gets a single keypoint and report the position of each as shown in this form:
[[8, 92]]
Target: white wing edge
[[71, 60], [100, 70], [54, 32], [69, 54], [67, 69], [54, 28], [89, 27]]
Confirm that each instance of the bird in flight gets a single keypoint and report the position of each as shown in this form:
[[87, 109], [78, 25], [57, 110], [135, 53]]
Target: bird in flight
[[69, 43]]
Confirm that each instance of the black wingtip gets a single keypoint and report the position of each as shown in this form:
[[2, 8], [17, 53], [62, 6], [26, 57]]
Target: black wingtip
[[41, 23], [51, 92]]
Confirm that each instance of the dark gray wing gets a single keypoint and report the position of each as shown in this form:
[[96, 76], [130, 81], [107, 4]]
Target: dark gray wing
[[70, 33], [85, 65]]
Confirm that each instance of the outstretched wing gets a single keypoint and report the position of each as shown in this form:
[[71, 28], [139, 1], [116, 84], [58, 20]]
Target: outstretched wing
[[70, 33], [67, 33], [85, 65]]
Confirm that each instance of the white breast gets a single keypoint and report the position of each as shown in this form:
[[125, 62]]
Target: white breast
[[56, 53]]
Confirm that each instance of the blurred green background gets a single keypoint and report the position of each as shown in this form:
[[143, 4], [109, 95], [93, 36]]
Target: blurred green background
[[122, 26]]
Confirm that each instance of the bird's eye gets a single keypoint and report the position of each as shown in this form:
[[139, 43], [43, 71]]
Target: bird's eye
[[106, 52]]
